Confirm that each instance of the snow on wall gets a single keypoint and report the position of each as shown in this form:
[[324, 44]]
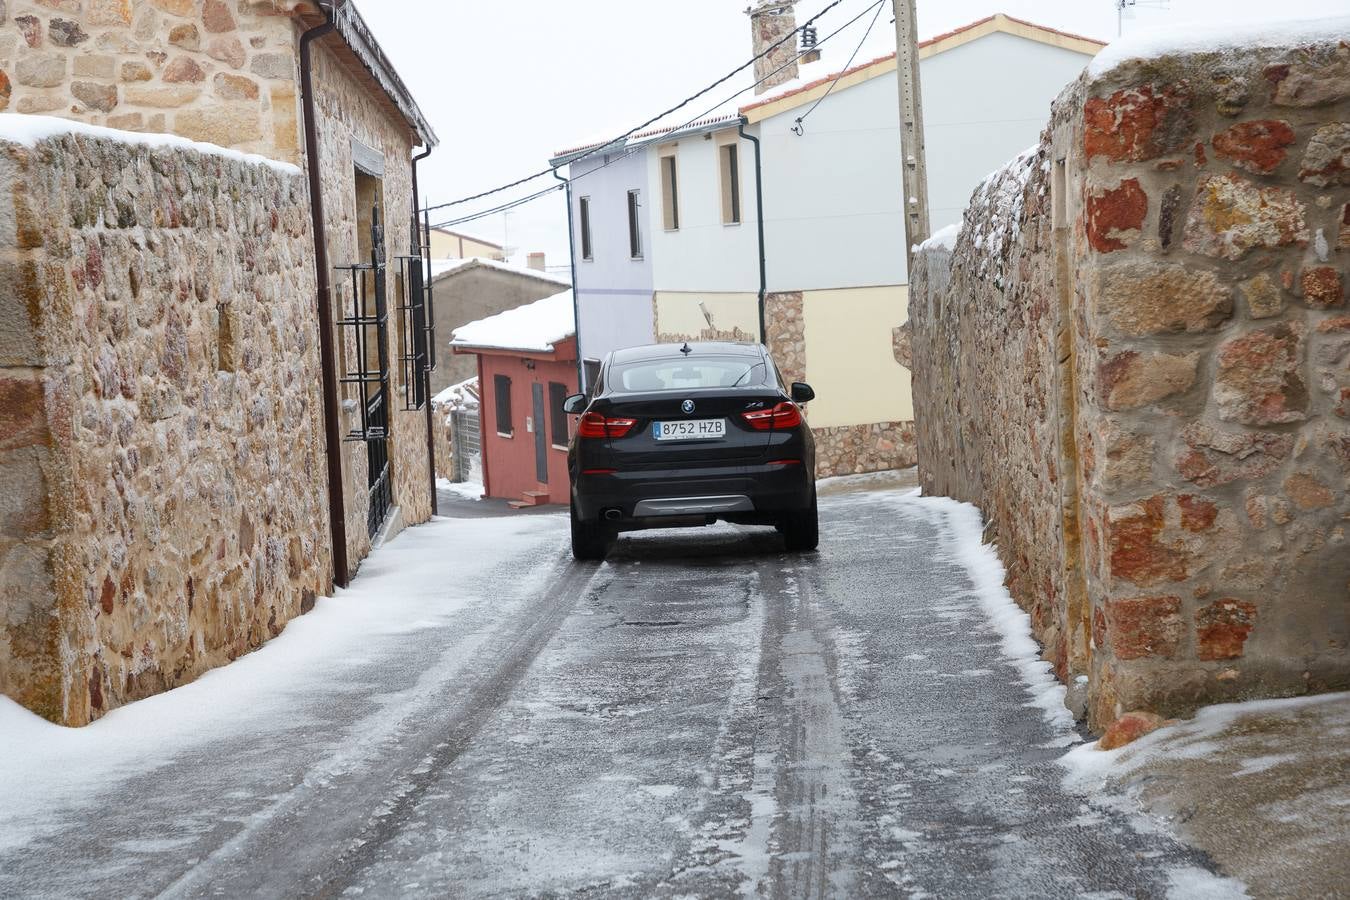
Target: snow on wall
[[1135, 360]]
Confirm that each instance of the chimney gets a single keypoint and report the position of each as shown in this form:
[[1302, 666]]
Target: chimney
[[771, 22], [535, 261]]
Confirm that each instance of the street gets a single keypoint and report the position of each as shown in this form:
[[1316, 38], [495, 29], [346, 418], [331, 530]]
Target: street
[[701, 715]]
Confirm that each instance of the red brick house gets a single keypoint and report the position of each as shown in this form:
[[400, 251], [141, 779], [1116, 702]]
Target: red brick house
[[527, 366]]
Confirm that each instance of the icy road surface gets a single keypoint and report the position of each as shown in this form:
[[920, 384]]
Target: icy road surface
[[703, 715]]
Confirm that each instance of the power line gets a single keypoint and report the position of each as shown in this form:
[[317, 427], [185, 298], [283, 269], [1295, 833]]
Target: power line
[[654, 119], [634, 149], [797, 123]]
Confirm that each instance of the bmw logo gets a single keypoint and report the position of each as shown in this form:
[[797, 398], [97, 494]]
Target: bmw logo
[[687, 406]]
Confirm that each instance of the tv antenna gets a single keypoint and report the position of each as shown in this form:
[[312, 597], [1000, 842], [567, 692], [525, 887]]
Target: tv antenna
[[1125, 9]]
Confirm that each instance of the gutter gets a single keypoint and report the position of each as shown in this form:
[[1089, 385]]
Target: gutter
[[759, 220], [576, 304], [332, 429], [429, 307]]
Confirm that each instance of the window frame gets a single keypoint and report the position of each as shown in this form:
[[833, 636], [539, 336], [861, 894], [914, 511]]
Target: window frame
[[634, 224], [501, 403], [584, 226], [729, 173], [557, 395], [670, 190]]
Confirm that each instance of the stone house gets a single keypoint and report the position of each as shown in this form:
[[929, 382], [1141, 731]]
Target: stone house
[[213, 341], [447, 244], [670, 243], [1135, 359]]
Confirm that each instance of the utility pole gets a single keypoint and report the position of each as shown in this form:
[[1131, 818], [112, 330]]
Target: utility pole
[[914, 169]]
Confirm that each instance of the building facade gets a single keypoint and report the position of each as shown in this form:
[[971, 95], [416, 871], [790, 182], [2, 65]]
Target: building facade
[[684, 260], [218, 379]]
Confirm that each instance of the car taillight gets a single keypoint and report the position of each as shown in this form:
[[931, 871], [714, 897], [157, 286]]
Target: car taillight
[[784, 415], [594, 425]]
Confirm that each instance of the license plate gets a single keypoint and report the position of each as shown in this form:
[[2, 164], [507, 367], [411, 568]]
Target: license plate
[[690, 430]]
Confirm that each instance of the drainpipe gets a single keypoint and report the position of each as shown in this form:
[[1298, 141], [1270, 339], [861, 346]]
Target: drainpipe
[[759, 219], [576, 301], [332, 428], [429, 307]]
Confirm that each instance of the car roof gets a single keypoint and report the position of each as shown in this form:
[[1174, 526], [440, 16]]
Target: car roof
[[697, 349]]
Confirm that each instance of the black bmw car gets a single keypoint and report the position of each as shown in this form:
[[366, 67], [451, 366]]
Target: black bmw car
[[688, 434]]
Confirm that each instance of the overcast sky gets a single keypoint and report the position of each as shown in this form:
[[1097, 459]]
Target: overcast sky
[[506, 84]]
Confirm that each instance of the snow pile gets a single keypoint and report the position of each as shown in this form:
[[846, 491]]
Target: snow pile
[[429, 578], [534, 327], [942, 239], [1153, 43], [964, 528], [464, 395], [443, 267], [466, 490], [28, 131]]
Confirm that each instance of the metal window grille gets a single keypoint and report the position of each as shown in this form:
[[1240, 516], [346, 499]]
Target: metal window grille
[[417, 318], [368, 369]]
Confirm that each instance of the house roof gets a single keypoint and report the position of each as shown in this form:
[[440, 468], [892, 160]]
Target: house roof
[[468, 237], [536, 327], [359, 49], [800, 92], [814, 80], [444, 268]]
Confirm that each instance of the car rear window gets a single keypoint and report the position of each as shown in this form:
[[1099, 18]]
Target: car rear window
[[685, 374]]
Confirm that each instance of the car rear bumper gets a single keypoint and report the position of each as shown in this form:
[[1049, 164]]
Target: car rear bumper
[[646, 496]]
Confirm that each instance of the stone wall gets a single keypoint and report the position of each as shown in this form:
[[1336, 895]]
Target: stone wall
[[209, 70], [1138, 367], [345, 112], [162, 461]]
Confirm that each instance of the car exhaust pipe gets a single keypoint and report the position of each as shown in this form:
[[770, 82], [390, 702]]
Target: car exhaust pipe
[[613, 515]]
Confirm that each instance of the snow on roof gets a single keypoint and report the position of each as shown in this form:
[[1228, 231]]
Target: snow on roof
[[1153, 43], [443, 267], [30, 130], [535, 327], [464, 395]]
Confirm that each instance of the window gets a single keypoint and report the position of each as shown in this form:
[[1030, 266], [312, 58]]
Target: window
[[634, 233], [557, 394], [501, 385], [585, 216], [670, 198], [686, 374], [731, 184]]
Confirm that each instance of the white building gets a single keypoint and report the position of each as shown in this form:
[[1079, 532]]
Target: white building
[[666, 233]]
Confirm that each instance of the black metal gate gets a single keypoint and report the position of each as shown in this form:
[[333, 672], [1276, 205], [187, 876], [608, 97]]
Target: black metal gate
[[368, 370]]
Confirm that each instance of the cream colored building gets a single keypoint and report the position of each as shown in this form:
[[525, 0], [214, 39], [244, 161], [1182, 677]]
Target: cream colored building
[[447, 244]]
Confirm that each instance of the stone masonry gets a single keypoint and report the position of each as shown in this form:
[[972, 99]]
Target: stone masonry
[[1136, 361], [162, 465], [209, 70]]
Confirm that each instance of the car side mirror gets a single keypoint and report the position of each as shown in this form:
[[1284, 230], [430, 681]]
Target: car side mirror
[[575, 405], [802, 393]]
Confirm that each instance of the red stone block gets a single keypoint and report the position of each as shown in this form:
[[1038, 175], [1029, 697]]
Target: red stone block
[[1197, 514], [1114, 211], [1222, 628], [1137, 124], [23, 414], [1129, 728], [1259, 381], [1141, 627], [1255, 146], [1322, 287], [1138, 552]]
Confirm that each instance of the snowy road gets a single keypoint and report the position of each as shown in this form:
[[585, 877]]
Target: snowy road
[[703, 715]]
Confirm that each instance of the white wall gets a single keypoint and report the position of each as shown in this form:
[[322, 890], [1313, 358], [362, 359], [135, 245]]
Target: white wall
[[614, 291], [832, 195], [704, 254], [983, 103]]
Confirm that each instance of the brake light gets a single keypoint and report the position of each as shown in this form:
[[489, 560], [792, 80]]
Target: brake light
[[785, 462], [784, 415], [594, 425]]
